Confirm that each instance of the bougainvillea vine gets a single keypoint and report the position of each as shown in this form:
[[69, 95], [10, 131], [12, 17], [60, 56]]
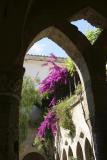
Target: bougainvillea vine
[[49, 124]]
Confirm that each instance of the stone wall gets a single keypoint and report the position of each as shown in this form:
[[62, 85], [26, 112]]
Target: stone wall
[[64, 143], [34, 66]]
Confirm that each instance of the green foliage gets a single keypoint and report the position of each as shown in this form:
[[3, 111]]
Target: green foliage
[[70, 66], [23, 125], [30, 96], [39, 145], [63, 111], [93, 35]]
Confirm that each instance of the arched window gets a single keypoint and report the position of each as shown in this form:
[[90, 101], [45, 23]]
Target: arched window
[[64, 156], [88, 150], [60, 35], [79, 152], [70, 153], [57, 156]]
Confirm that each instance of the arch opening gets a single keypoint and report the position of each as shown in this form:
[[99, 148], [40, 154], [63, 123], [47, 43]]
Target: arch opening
[[71, 46], [79, 152], [57, 156], [31, 58], [70, 153], [64, 156], [92, 16], [91, 32], [88, 150], [73, 51]]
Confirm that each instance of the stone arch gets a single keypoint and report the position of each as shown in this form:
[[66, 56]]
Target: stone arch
[[64, 155], [70, 152], [33, 156], [79, 152], [74, 43], [88, 150]]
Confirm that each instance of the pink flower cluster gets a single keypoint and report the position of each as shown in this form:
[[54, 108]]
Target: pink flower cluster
[[58, 77], [49, 123]]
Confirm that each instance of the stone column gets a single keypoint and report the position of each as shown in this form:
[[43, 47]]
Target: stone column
[[96, 62], [100, 128], [10, 93]]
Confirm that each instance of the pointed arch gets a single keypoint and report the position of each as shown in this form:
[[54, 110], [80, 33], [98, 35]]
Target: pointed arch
[[57, 156], [64, 156], [70, 152], [88, 150], [79, 151], [74, 43]]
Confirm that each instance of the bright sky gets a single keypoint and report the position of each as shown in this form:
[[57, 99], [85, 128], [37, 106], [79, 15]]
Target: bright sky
[[46, 46]]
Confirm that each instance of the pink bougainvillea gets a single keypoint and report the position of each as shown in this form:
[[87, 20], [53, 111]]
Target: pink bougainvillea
[[49, 123], [57, 78], [57, 85]]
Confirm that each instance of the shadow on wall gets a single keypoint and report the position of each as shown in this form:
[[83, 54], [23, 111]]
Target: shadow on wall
[[33, 156]]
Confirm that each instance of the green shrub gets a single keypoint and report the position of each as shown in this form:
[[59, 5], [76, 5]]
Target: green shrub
[[63, 111], [30, 96], [93, 35]]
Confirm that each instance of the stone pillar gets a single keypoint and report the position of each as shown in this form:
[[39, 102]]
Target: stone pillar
[[10, 93], [96, 62], [100, 130]]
